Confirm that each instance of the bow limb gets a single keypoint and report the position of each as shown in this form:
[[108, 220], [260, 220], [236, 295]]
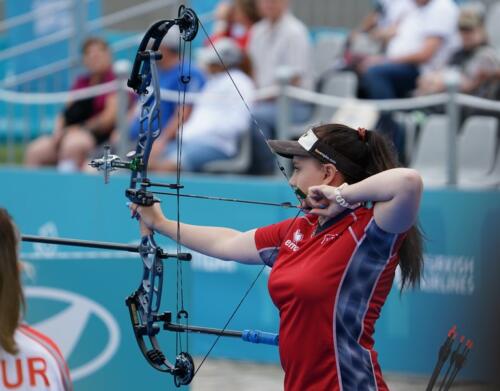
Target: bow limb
[[144, 303]]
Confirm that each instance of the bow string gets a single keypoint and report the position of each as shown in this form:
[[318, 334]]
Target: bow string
[[144, 303]]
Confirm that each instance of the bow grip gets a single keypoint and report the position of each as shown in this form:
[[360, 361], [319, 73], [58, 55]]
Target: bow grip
[[257, 336], [141, 197]]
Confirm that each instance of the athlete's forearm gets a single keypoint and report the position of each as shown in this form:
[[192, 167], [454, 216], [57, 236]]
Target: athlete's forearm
[[385, 186], [218, 242]]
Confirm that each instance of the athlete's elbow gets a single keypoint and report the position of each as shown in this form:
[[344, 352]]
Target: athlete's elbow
[[411, 181]]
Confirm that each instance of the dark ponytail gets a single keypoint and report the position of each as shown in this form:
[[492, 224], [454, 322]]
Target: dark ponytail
[[374, 153]]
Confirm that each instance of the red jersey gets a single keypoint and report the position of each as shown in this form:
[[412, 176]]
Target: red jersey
[[329, 283]]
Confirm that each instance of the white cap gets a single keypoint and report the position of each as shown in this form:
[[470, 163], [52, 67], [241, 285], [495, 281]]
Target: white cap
[[229, 51], [171, 39]]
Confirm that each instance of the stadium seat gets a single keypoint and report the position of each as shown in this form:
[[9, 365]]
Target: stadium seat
[[477, 149], [410, 122], [432, 151], [240, 164], [328, 51], [342, 84], [491, 180]]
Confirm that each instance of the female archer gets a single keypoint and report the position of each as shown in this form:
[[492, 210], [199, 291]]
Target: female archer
[[333, 267], [29, 360]]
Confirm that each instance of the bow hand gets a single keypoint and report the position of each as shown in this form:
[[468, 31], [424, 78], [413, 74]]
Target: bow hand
[[151, 217]]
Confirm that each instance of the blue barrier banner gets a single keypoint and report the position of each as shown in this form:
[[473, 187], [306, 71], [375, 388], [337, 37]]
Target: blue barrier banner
[[49, 20], [81, 293]]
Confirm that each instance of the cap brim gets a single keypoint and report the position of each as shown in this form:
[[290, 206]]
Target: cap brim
[[288, 148]]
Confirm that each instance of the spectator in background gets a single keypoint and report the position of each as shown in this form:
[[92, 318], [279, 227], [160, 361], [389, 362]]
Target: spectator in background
[[83, 124], [387, 14], [475, 60], [278, 41], [234, 19], [424, 41], [376, 29], [169, 79], [218, 117], [21, 347]]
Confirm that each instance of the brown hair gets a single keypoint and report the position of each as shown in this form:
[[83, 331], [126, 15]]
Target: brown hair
[[94, 41], [374, 153], [11, 294], [249, 8]]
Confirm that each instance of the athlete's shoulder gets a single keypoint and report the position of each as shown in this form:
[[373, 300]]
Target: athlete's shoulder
[[33, 343], [40, 340]]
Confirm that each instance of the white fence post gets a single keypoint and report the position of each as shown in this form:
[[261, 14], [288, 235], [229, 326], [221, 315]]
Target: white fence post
[[79, 9], [452, 80], [284, 77], [122, 69]]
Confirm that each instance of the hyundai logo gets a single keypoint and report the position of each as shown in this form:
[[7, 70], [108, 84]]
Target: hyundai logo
[[75, 318]]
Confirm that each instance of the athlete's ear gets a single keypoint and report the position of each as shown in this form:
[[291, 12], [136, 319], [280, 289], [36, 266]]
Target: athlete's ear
[[329, 173]]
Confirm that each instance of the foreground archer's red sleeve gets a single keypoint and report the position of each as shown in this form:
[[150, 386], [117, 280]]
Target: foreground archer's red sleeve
[[268, 240]]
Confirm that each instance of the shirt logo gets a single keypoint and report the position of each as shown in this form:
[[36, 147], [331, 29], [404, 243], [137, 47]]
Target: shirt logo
[[329, 237], [291, 245], [298, 236]]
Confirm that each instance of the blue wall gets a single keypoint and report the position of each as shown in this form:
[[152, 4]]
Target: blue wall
[[460, 286]]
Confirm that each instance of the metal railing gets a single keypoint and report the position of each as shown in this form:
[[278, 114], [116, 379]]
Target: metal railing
[[27, 17], [74, 35], [55, 69], [11, 127], [451, 100]]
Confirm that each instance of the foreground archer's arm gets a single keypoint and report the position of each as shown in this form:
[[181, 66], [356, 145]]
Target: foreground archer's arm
[[396, 194], [219, 242]]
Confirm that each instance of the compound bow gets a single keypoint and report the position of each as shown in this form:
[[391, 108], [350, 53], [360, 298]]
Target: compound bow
[[144, 303]]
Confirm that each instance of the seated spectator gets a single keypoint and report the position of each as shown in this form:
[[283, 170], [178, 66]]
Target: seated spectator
[[475, 60], [30, 360], [169, 79], [218, 117], [424, 41], [83, 124], [234, 20], [376, 29], [278, 41]]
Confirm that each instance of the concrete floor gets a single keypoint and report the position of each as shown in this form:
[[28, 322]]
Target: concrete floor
[[216, 375]]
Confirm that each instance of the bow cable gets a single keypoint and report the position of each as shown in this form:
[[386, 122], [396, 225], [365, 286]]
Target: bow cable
[[183, 81], [283, 172]]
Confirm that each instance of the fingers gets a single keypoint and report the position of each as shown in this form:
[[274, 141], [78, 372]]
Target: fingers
[[310, 204], [316, 197], [320, 212], [322, 191], [135, 210]]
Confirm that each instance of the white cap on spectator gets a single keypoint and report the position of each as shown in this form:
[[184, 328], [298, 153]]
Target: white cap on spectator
[[171, 39], [228, 49]]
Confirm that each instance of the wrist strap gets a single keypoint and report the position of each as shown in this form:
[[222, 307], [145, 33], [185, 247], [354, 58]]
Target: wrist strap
[[341, 201]]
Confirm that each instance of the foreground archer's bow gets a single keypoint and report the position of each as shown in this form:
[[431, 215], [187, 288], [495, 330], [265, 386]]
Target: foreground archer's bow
[[144, 303]]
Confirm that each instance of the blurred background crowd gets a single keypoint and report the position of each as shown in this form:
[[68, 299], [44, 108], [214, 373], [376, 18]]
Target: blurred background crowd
[[425, 73], [403, 51]]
